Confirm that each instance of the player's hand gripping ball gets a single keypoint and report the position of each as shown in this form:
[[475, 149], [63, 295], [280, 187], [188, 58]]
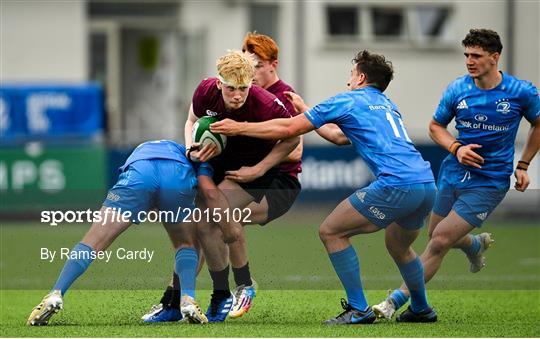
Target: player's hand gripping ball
[[202, 135]]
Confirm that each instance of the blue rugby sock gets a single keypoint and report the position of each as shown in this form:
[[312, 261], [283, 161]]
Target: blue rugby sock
[[347, 267], [475, 246], [74, 268], [413, 275], [187, 260], [398, 298]]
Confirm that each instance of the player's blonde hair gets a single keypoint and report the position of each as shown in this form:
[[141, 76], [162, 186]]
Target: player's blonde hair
[[236, 68]]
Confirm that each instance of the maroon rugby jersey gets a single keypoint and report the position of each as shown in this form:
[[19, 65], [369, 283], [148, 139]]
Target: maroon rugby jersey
[[260, 105], [291, 168]]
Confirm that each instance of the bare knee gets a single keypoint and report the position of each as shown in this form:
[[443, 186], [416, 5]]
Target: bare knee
[[439, 245], [326, 233], [205, 230], [401, 254]]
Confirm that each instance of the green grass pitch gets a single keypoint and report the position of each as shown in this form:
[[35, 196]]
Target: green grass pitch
[[297, 286]]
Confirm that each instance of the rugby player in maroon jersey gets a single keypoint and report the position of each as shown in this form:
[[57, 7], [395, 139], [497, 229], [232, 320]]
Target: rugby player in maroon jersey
[[232, 95]]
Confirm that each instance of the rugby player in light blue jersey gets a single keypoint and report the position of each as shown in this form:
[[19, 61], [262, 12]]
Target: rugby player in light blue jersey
[[156, 175], [487, 106], [398, 201]]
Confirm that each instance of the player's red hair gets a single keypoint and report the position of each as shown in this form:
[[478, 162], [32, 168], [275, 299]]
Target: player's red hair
[[261, 45]]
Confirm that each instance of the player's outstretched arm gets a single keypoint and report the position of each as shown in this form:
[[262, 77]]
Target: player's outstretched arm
[[531, 149], [334, 134], [275, 129], [216, 202]]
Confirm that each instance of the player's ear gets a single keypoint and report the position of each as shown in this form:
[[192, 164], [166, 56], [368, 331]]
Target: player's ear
[[495, 57], [274, 64], [362, 78], [218, 84]]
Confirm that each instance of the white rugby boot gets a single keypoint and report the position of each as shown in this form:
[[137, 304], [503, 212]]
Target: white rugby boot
[[191, 310], [52, 303], [478, 261]]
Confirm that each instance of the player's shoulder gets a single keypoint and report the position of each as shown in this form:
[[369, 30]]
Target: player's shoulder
[[260, 96], [205, 94], [367, 95], [206, 86], [280, 86], [518, 87], [459, 84], [346, 101]]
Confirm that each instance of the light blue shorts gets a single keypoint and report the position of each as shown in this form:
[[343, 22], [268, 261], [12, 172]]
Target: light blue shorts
[[407, 205], [167, 185], [472, 196]]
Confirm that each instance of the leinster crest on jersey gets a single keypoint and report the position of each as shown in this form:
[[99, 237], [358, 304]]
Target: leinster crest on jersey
[[503, 106]]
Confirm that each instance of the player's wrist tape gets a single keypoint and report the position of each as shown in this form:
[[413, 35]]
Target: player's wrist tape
[[522, 165], [454, 147]]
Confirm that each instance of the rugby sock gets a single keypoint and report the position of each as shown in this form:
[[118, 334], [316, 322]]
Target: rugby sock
[[413, 275], [347, 267], [73, 268], [220, 281], [474, 248], [174, 300], [166, 299], [398, 298], [242, 276], [187, 260]]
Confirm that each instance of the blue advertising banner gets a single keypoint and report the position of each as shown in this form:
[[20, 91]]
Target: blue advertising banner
[[329, 173], [41, 112]]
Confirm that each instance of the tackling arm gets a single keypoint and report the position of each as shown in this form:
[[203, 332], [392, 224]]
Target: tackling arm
[[333, 133], [274, 129]]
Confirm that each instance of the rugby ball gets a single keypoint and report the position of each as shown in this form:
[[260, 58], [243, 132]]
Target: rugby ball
[[202, 135]]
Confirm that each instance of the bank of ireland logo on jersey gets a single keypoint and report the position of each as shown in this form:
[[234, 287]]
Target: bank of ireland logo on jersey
[[481, 117], [211, 113], [503, 106]]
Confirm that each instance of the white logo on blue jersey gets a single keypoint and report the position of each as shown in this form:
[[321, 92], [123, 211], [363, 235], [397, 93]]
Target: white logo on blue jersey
[[503, 106], [462, 105], [482, 216], [361, 195], [481, 117]]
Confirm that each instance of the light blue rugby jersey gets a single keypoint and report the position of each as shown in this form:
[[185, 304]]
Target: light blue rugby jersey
[[374, 126], [489, 118], [166, 149]]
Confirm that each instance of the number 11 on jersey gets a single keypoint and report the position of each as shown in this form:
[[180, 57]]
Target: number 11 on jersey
[[392, 122]]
